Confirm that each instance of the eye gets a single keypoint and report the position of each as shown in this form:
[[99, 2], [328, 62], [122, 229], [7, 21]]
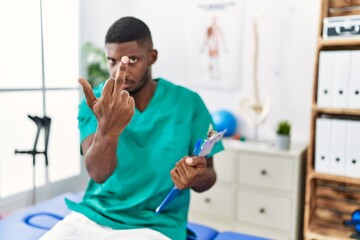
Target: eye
[[133, 60], [111, 62]]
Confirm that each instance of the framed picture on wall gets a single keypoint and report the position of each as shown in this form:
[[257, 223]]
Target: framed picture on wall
[[215, 43]]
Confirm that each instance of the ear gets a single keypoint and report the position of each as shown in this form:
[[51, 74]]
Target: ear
[[153, 56]]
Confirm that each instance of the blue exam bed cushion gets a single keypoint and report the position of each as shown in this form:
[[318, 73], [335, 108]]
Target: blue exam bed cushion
[[13, 226]]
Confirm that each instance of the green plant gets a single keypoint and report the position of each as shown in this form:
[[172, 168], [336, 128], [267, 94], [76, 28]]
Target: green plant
[[283, 127], [96, 68]]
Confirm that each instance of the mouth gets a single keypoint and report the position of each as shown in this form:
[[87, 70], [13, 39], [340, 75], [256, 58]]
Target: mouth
[[127, 84]]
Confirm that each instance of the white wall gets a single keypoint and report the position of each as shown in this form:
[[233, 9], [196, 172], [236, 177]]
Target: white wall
[[286, 60]]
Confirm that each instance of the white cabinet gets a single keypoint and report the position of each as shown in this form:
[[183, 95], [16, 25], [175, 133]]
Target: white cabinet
[[259, 191]]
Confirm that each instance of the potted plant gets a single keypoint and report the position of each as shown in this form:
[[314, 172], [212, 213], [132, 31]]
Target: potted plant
[[96, 64], [283, 131]]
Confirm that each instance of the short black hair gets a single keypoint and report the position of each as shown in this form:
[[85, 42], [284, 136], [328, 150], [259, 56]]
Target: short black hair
[[128, 29]]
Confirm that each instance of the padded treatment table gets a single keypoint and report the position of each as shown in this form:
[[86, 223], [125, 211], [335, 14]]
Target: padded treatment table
[[33, 222], [44, 215], [236, 236], [202, 232]]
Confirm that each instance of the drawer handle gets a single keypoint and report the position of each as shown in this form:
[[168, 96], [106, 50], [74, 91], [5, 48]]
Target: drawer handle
[[207, 200], [263, 172], [262, 210]]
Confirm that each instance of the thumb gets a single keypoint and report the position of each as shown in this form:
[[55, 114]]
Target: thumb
[[89, 95], [195, 161]]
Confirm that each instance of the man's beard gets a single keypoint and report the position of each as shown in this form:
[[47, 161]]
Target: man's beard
[[144, 80]]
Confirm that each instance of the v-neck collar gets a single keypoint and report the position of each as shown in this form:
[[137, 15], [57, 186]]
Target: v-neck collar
[[153, 99]]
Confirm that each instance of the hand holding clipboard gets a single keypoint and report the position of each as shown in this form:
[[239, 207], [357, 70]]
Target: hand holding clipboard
[[204, 150]]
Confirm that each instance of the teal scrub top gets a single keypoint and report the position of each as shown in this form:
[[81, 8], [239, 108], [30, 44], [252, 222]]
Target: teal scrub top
[[148, 149]]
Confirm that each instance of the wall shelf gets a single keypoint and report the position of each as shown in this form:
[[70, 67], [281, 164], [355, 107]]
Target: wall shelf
[[319, 231], [330, 199], [336, 111], [321, 176], [340, 43]]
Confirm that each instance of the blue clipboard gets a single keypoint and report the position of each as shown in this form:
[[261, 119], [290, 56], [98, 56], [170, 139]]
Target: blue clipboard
[[204, 150]]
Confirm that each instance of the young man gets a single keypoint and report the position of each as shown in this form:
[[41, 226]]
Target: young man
[[137, 135]]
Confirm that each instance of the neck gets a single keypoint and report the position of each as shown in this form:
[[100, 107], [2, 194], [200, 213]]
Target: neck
[[143, 97]]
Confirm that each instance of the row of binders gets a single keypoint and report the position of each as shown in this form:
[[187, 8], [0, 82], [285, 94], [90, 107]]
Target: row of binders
[[339, 79], [337, 149]]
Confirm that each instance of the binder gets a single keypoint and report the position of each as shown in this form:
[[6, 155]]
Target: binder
[[352, 165], [322, 145], [340, 93], [338, 147], [325, 79], [354, 88]]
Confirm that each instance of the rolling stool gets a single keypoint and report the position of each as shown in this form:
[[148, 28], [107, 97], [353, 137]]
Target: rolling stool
[[237, 236]]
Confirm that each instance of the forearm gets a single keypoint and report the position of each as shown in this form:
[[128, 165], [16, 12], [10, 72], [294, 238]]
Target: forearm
[[113, 111], [100, 157]]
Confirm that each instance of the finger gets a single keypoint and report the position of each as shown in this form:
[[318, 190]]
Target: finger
[[131, 105], [131, 102], [181, 169], [107, 91], [196, 161], [89, 95], [120, 74], [176, 179], [125, 95]]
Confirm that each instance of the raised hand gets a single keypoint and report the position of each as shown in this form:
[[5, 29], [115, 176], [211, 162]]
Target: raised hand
[[115, 108]]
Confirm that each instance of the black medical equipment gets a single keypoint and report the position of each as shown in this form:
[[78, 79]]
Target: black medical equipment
[[41, 123]]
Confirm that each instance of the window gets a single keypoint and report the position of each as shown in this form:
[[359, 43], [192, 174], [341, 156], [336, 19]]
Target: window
[[37, 82]]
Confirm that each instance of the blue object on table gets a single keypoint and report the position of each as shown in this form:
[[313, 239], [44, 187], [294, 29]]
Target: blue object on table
[[355, 221], [224, 119]]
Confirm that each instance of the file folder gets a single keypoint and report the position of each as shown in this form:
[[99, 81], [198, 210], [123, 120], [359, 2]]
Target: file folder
[[325, 78], [322, 145], [354, 88], [340, 96], [352, 165], [338, 146]]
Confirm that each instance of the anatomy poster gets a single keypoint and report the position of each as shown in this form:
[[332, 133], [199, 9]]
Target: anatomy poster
[[214, 42]]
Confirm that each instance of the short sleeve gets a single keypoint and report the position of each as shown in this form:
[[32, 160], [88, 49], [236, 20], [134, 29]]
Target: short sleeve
[[87, 122]]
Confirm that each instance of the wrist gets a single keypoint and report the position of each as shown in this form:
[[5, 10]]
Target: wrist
[[106, 139], [206, 182]]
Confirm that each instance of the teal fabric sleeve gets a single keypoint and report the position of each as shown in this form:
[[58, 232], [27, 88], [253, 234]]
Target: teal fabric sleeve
[[87, 122]]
